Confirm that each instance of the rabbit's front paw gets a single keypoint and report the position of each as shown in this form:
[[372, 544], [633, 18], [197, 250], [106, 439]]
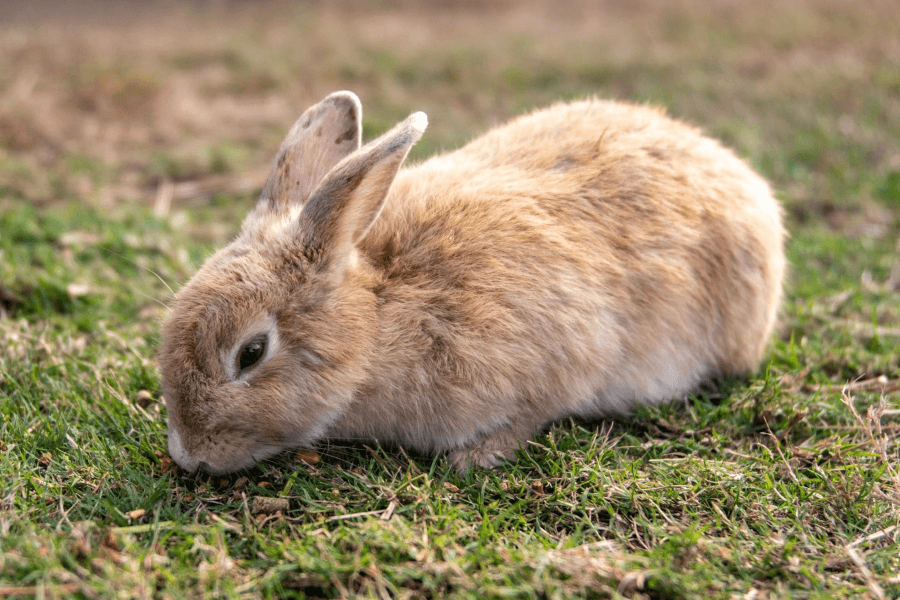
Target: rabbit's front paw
[[492, 451]]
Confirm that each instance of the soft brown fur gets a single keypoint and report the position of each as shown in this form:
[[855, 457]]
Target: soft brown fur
[[579, 261]]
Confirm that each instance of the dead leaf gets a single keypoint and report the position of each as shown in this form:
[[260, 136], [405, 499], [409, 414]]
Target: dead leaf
[[268, 506], [143, 398], [307, 456], [537, 486], [167, 465], [110, 541]]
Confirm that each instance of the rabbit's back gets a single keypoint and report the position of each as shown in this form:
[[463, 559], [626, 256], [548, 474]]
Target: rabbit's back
[[589, 250]]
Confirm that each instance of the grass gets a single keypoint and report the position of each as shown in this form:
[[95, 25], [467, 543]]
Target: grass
[[129, 150]]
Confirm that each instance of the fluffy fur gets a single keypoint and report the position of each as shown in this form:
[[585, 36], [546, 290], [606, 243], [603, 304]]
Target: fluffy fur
[[578, 261]]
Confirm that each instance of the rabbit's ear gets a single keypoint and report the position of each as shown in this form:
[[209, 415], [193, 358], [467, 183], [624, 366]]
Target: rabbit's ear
[[324, 135], [346, 203]]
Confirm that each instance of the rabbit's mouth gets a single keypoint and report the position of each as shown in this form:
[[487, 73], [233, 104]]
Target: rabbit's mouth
[[226, 454]]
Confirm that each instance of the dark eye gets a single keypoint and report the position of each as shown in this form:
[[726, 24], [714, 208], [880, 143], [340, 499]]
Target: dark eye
[[252, 352]]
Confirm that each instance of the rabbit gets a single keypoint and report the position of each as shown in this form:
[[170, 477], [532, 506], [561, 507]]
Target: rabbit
[[579, 261]]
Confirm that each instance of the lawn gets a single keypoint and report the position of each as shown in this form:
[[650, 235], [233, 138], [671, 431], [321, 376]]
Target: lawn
[[133, 139]]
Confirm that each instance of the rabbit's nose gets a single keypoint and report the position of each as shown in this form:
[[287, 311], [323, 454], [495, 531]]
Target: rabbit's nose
[[179, 454]]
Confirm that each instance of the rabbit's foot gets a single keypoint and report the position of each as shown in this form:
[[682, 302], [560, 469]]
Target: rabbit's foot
[[492, 451]]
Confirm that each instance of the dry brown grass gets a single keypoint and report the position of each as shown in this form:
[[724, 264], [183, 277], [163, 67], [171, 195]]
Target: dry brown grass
[[147, 92]]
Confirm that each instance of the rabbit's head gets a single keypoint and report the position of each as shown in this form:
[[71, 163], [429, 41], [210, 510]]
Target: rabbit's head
[[263, 347]]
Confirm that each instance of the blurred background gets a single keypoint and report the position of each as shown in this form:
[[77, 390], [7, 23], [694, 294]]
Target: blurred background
[[176, 108], [102, 101]]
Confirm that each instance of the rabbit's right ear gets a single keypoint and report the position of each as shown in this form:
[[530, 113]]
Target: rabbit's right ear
[[325, 134], [347, 202]]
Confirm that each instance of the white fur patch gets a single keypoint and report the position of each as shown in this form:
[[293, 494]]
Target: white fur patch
[[418, 121], [178, 453]]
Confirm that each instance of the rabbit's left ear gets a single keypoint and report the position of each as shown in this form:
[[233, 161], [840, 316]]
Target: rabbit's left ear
[[346, 203], [325, 134]]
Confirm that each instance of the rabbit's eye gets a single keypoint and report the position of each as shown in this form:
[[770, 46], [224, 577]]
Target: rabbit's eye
[[252, 352]]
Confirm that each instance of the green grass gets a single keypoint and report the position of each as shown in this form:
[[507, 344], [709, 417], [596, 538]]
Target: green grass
[[785, 485]]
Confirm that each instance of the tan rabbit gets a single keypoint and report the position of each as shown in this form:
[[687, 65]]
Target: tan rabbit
[[579, 261]]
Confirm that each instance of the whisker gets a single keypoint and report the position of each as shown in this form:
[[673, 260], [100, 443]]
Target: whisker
[[155, 274], [158, 301]]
